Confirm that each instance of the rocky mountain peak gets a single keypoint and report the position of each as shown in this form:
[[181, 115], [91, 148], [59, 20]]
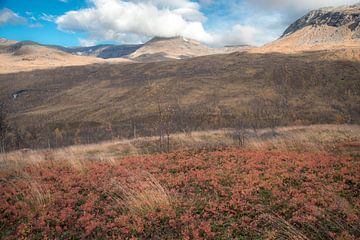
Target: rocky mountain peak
[[348, 16]]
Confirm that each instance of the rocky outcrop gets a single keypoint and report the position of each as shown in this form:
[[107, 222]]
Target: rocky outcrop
[[333, 17], [336, 28]]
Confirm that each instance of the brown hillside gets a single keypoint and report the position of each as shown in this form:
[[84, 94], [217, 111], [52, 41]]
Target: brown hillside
[[204, 92], [28, 56]]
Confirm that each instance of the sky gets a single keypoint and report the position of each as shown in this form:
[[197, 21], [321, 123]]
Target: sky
[[212, 22]]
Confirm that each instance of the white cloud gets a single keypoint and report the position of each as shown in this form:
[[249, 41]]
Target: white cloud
[[87, 42], [133, 21], [136, 21], [9, 17], [123, 20]]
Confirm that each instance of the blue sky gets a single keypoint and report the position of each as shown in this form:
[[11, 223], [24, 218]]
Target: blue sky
[[89, 22]]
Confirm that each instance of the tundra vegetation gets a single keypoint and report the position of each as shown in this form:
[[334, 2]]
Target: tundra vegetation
[[282, 183]]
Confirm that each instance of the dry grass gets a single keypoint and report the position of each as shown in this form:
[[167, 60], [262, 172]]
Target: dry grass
[[284, 230], [299, 138], [37, 195], [315, 138], [142, 194]]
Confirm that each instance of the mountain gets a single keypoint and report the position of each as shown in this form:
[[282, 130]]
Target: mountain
[[105, 51], [158, 49], [322, 29], [28, 55]]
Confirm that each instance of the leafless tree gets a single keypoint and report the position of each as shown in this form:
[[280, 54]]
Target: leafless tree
[[240, 130], [158, 94]]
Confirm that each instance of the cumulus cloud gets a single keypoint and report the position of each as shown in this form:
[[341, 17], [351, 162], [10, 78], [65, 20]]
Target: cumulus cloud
[[135, 20], [9, 17]]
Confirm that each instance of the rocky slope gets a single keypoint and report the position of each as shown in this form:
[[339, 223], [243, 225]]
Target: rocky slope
[[332, 17], [323, 29]]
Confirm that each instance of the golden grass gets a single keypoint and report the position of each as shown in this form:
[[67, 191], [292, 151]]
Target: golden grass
[[315, 138], [283, 229], [142, 194], [37, 195], [310, 138]]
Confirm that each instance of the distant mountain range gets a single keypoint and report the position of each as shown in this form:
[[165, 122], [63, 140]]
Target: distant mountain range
[[104, 51], [154, 50]]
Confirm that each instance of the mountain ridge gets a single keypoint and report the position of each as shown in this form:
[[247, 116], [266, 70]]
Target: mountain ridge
[[331, 16], [322, 29]]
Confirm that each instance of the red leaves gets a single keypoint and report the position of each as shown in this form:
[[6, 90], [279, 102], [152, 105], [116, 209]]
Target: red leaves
[[202, 195]]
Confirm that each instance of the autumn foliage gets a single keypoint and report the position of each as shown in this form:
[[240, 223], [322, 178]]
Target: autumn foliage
[[203, 194]]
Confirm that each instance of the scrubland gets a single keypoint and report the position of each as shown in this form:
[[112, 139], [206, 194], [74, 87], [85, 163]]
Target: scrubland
[[71, 105], [285, 183]]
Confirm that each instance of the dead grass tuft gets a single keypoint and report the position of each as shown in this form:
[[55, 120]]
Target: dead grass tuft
[[282, 229], [143, 194]]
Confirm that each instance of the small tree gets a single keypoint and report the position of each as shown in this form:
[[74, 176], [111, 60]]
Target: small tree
[[58, 137], [77, 136], [240, 130], [158, 93]]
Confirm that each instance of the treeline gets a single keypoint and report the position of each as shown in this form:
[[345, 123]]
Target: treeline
[[167, 119]]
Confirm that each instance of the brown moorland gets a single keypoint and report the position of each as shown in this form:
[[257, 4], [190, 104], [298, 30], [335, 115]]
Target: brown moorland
[[210, 92]]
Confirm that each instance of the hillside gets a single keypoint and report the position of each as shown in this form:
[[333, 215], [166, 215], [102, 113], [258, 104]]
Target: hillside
[[207, 92], [28, 56], [159, 49], [307, 82], [156, 49], [323, 29]]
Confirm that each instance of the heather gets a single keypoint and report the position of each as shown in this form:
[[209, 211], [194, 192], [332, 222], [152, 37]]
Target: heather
[[219, 193]]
